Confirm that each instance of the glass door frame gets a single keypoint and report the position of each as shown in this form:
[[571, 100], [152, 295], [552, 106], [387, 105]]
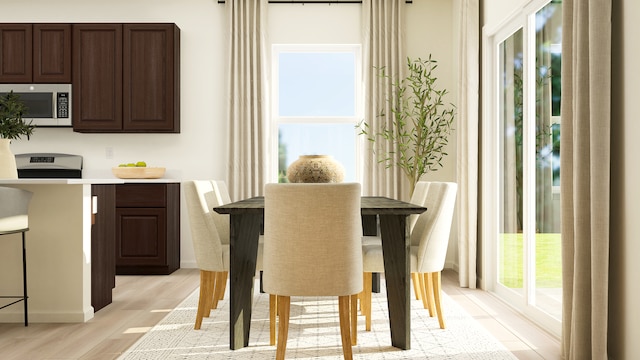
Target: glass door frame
[[490, 170]]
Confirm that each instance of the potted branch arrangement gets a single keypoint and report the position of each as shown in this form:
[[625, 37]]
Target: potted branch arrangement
[[421, 123], [12, 126]]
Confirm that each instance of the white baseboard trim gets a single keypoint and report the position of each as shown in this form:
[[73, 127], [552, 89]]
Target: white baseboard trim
[[45, 317]]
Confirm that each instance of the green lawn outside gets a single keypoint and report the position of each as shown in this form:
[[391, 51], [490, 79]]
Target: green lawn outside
[[548, 261]]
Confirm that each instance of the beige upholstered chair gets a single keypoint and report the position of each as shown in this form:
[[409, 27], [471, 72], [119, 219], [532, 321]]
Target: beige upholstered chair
[[14, 218], [312, 247], [418, 198], [429, 242], [210, 234]]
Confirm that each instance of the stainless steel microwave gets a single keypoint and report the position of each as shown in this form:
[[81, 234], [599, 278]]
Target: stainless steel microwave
[[47, 104]]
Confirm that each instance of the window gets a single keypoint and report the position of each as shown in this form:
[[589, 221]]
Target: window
[[316, 104], [521, 163]]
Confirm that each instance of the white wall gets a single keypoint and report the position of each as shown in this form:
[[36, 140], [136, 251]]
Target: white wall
[[200, 150], [624, 292]]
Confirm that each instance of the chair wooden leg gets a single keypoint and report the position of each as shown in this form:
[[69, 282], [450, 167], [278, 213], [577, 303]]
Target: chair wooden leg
[[354, 318], [422, 286], [206, 296], [223, 288], [437, 288], [417, 289], [273, 303], [428, 293], [284, 307], [219, 288], [345, 328], [366, 302]]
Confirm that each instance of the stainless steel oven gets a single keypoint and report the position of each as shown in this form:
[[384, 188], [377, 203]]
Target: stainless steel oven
[[47, 104]]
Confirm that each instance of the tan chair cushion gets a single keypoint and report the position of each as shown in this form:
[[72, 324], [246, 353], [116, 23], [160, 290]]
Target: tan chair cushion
[[14, 209]]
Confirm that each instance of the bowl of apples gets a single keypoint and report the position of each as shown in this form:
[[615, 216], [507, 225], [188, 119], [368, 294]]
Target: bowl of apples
[[137, 170]]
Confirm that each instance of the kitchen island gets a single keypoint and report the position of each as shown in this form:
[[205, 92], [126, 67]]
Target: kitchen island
[[59, 251]]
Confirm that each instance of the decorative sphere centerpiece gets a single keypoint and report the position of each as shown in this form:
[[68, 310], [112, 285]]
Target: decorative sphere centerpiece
[[315, 169]]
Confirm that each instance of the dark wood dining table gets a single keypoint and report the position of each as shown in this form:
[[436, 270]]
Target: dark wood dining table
[[246, 217]]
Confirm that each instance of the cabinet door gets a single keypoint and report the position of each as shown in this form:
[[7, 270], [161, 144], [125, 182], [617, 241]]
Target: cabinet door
[[16, 53], [52, 53], [97, 77], [147, 228], [151, 83], [141, 238]]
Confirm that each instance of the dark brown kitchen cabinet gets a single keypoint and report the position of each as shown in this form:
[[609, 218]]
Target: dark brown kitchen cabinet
[[151, 86], [126, 78], [16, 53], [147, 229], [103, 234], [35, 53], [52, 53], [97, 77]]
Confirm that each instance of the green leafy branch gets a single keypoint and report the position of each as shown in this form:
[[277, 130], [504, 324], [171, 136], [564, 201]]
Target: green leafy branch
[[421, 123], [12, 126]]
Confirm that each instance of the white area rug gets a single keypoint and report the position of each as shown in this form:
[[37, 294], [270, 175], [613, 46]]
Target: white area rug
[[314, 334]]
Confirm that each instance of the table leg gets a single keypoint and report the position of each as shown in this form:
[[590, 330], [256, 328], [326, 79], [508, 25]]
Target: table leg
[[242, 271], [397, 274]]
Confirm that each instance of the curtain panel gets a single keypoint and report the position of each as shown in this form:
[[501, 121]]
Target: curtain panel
[[585, 179], [467, 124], [383, 48], [247, 98]]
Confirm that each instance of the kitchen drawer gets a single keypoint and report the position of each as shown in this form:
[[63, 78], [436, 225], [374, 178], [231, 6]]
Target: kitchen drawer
[[141, 195]]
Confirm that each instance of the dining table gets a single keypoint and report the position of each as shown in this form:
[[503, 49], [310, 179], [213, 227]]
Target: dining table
[[246, 219]]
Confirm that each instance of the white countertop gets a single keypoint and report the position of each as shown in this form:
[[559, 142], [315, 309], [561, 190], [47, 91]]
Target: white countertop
[[95, 177]]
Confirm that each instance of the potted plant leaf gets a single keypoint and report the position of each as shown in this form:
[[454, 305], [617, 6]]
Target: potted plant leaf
[[421, 123], [12, 126]]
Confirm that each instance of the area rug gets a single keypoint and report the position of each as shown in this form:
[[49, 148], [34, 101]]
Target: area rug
[[314, 334]]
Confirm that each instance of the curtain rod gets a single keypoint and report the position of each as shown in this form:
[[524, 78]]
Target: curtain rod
[[315, 2]]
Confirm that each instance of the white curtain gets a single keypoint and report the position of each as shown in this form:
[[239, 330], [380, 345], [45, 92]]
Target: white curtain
[[247, 98], [467, 132], [585, 176], [383, 48]]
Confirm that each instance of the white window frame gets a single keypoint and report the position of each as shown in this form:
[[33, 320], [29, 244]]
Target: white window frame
[[491, 137], [276, 120]]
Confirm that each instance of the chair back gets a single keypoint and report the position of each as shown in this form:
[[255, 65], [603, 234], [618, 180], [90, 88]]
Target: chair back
[[312, 239], [14, 205], [418, 197], [432, 229], [220, 196], [209, 230]]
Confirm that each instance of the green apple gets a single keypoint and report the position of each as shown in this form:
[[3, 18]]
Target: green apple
[[141, 164]]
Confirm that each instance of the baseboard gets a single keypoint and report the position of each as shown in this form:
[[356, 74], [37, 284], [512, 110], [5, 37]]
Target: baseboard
[[188, 265], [46, 317]]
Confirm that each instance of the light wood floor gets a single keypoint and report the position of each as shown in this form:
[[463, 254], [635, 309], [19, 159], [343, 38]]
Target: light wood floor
[[139, 302]]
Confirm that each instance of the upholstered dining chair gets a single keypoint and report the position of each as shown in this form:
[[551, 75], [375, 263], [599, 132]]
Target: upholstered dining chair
[[14, 219], [429, 242], [312, 247], [210, 235], [418, 198]]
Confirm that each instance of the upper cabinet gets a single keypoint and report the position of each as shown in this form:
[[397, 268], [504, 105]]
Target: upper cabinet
[[52, 53], [151, 86], [126, 78], [35, 53], [97, 77]]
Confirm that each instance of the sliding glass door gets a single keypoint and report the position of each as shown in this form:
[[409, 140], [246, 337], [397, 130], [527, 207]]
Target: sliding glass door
[[524, 168]]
